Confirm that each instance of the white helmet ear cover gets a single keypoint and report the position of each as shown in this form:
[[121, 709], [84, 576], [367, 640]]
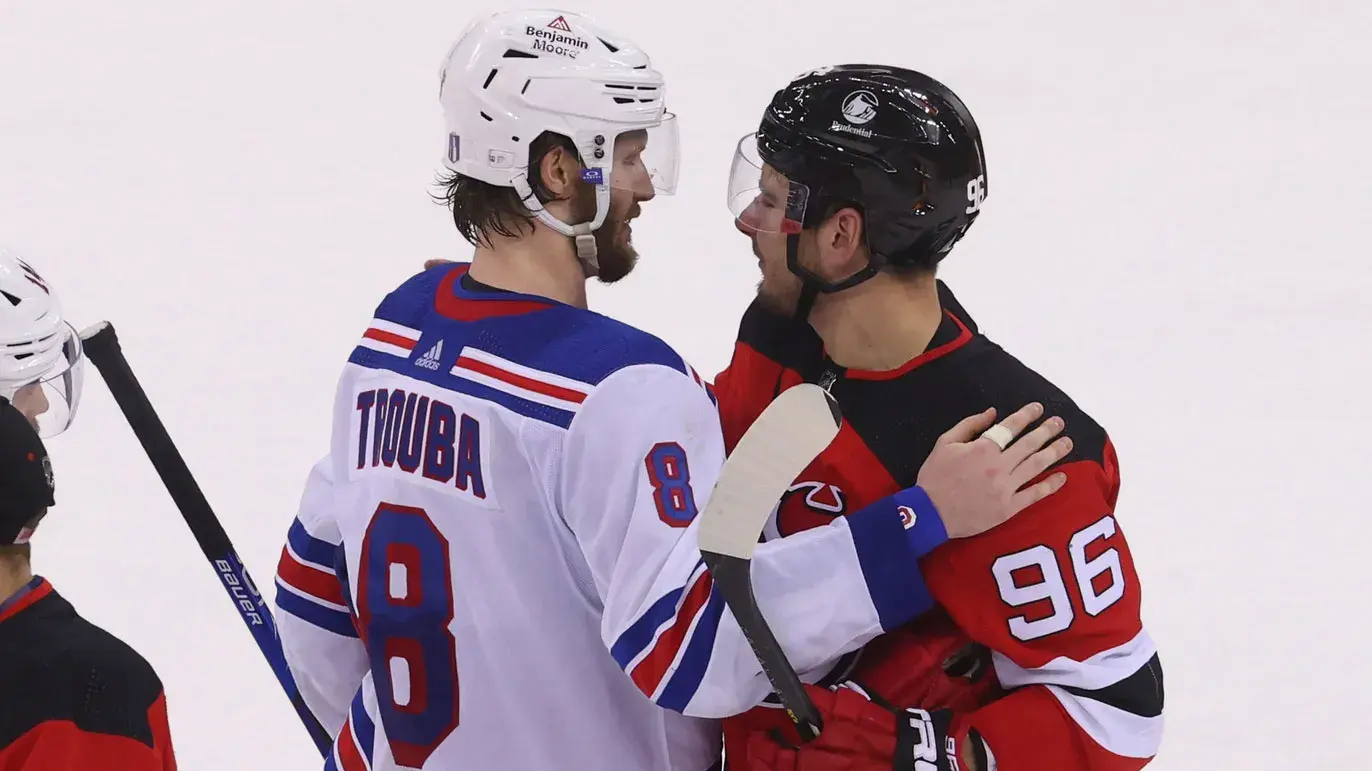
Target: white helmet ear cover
[[52, 398]]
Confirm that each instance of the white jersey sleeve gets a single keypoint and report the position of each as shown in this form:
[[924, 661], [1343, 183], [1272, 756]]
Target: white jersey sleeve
[[313, 618], [640, 460]]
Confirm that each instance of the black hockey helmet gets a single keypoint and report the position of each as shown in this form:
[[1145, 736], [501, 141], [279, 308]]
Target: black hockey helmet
[[895, 144], [26, 485]]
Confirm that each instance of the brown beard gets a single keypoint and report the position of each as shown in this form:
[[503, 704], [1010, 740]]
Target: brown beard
[[615, 258], [779, 294], [781, 301]]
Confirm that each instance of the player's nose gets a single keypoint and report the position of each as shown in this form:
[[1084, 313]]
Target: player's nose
[[747, 220]]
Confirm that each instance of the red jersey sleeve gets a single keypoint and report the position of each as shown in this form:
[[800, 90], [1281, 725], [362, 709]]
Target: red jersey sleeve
[[753, 378], [61, 745], [1054, 595]]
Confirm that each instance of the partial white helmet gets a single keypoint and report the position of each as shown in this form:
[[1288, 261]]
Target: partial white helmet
[[41, 366], [516, 74]]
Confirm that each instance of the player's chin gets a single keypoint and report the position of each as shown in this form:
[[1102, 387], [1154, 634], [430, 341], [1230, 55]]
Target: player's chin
[[780, 302], [616, 257]]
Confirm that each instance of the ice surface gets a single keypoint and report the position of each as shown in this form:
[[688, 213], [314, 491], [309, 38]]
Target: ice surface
[[1177, 232]]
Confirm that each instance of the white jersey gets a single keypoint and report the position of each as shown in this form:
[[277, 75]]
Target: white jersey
[[496, 566]]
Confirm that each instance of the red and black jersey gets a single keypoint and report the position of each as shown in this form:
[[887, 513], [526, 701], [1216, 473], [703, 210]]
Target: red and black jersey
[[1052, 593], [72, 696]]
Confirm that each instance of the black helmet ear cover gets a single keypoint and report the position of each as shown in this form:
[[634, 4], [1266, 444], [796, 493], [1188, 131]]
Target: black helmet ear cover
[[26, 480]]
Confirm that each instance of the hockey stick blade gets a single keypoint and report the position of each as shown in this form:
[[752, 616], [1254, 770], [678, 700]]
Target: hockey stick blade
[[785, 438], [101, 345]]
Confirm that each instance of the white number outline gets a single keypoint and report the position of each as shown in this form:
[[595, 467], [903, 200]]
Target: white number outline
[[1053, 588], [976, 193]]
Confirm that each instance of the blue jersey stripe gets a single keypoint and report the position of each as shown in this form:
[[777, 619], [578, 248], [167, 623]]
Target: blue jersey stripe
[[310, 549], [328, 619], [690, 671], [564, 340], [363, 727], [641, 633], [444, 379]]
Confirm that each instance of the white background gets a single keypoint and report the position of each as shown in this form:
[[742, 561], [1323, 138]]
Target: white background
[[1176, 233]]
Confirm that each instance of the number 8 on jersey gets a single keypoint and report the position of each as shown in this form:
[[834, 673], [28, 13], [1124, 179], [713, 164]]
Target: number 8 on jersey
[[404, 605]]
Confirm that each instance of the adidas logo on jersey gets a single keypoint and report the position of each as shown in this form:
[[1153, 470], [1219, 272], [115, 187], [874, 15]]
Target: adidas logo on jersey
[[430, 360]]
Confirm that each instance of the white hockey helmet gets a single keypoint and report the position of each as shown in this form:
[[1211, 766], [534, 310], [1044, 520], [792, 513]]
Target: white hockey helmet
[[516, 74], [41, 365]]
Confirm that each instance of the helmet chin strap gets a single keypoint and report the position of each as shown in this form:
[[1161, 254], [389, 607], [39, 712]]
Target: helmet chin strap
[[812, 286], [583, 234], [809, 286]]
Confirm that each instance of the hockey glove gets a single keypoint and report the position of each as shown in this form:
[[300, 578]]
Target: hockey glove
[[862, 735], [928, 663]]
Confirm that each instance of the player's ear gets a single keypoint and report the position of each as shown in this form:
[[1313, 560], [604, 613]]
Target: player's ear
[[841, 244], [560, 170]]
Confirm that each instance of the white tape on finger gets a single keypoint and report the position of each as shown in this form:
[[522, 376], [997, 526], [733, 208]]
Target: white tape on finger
[[999, 434]]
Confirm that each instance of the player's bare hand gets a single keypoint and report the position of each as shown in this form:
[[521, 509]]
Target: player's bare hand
[[977, 473]]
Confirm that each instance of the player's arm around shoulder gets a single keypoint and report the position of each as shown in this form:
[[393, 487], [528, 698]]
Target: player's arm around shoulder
[[1055, 595], [638, 459]]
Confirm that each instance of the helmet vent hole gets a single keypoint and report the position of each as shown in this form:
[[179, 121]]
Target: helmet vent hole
[[609, 45], [487, 117], [527, 83], [514, 54], [13, 300], [489, 78]]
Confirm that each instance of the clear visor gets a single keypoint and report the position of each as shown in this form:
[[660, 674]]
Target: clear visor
[[645, 161], [761, 198], [50, 400]]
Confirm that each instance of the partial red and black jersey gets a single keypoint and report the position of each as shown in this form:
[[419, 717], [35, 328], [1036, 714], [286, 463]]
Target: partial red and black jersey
[[72, 696], [1053, 593]]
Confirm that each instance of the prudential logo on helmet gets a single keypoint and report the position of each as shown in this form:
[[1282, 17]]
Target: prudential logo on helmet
[[860, 107]]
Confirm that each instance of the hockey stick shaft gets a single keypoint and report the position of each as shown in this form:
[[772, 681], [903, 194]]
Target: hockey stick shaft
[[778, 446], [733, 577], [102, 347]]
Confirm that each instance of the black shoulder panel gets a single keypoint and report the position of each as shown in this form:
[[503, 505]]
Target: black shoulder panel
[[900, 419], [58, 666]]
